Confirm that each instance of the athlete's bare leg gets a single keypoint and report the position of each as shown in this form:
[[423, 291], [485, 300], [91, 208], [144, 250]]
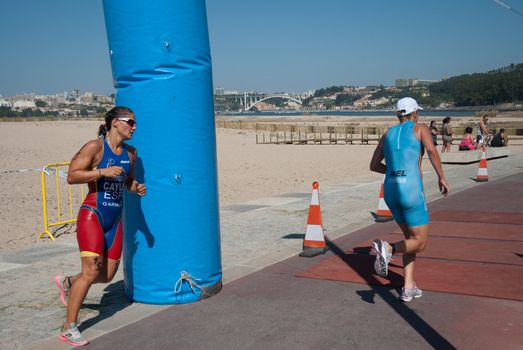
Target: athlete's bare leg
[[415, 242], [91, 267], [106, 274], [109, 269]]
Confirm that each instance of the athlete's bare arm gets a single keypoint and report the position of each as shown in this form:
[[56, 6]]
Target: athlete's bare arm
[[376, 163], [422, 132], [131, 184], [81, 168]]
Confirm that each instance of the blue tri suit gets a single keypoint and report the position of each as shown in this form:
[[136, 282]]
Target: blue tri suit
[[403, 188], [99, 225]]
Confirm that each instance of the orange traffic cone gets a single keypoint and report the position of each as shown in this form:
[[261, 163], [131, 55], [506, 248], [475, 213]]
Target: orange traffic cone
[[314, 242], [383, 213], [482, 171]]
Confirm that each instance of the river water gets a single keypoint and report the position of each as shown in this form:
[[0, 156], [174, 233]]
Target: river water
[[366, 113]]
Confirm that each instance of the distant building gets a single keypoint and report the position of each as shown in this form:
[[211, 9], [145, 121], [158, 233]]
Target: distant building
[[426, 82], [5, 103], [400, 83], [306, 94], [87, 97], [104, 99], [23, 104]]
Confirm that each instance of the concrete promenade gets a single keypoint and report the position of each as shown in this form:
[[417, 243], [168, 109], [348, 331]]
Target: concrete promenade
[[262, 304]]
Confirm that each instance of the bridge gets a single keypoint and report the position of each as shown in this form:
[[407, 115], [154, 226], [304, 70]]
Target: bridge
[[250, 99]]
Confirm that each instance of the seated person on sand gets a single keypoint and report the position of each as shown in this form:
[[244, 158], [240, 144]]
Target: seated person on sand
[[467, 143], [500, 139]]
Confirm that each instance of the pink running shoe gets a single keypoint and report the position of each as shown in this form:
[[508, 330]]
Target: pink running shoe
[[59, 280], [72, 336]]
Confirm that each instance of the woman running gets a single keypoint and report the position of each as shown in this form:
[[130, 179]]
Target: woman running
[[107, 166], [401, 147]]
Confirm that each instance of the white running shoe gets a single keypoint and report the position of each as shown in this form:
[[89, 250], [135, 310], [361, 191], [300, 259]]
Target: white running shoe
[[407, 294], [383, 257]]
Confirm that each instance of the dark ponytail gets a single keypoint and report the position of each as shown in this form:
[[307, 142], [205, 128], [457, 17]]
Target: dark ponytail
[[115, 112], [102, 131]]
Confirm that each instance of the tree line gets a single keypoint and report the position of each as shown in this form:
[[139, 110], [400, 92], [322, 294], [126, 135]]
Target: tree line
[[7, 112], [25, 113], [504, 85]]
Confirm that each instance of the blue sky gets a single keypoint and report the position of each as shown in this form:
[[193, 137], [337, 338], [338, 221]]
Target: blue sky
[[294, 45]]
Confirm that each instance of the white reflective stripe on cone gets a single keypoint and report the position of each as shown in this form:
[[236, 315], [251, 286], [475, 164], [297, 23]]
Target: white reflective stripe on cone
[[314, 233], [382, 204], [315, 199]]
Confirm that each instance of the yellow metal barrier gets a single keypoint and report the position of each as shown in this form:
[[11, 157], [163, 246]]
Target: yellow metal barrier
[[47, 171]]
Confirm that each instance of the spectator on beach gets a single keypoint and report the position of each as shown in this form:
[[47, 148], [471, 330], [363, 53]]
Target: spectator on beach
[[446, 135], [401, 148], [500, 139], [434, 131], [492, 132], [107, 165], [467, 143], [483, 133]]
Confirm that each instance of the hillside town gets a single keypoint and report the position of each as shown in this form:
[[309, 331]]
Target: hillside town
[[499, 88], [76, 103], [66, 104]]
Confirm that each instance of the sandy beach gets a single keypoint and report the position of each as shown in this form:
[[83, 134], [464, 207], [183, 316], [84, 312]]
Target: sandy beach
[[246, 170]]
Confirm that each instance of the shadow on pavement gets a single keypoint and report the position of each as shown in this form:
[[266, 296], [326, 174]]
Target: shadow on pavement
[[294, 236], [432, 337], [112, 301]]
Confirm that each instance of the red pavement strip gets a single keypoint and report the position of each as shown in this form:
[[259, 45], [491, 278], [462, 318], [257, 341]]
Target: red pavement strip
[[458, 249], [490, 217], [461, 257], [467, 278], [474, 230]]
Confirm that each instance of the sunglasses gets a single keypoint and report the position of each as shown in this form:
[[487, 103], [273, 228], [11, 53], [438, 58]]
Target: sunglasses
[[129, 121]]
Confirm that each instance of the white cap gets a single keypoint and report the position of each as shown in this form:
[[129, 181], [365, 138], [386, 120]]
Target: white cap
[[407, 105]]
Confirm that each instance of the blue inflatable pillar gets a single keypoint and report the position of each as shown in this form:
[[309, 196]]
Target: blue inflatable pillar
[[161, 68]]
